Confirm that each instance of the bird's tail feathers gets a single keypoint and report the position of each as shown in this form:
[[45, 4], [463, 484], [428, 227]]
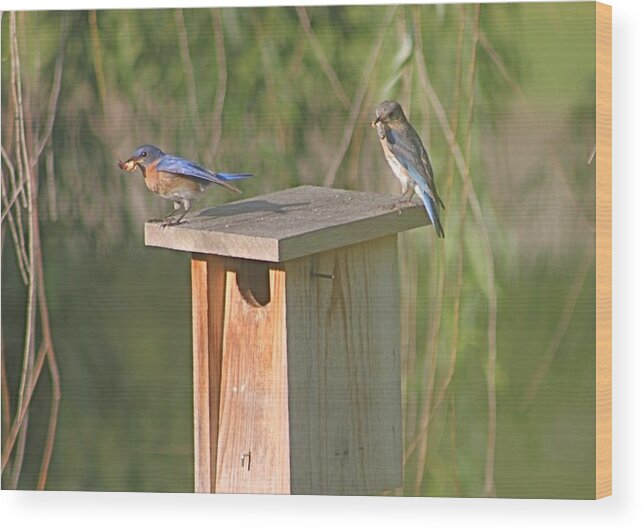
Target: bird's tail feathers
[[233, 176], [432, 211], [223, 178]]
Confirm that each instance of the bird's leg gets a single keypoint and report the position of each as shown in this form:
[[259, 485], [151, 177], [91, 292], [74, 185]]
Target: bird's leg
[[177, 206], [185, 203], [165, 218], [169, 220], [404, 199], [186, 208], [406, 196]]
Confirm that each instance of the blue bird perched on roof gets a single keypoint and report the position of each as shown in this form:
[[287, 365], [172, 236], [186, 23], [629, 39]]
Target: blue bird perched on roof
[[408, 159], [176, 179]]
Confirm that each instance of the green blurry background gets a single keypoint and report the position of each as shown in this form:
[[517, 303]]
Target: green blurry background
[[498, 319]]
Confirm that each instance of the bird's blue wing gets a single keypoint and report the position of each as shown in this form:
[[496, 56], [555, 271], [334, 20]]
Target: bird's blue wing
[[180, 166], [408, 149]]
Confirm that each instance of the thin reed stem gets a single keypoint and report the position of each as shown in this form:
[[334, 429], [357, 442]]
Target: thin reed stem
[[52, 104], [53, 367], [561, 328], [98, 61], [358, 99], [222, 84], [188, 69], [330, 73]]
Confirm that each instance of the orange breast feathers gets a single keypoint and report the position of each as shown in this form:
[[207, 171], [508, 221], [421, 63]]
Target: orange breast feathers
[[151, 177], [171, 185]]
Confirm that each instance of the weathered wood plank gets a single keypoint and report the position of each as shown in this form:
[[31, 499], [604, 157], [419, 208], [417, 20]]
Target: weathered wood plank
[[201, 378], [344, 370], [208, 303], [603, 250], [288, 224], [253, 447]]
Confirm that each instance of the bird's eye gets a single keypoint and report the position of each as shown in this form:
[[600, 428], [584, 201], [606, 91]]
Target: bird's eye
[[144, 154]]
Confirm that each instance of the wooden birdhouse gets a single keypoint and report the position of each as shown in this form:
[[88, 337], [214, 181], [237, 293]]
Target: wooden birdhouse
[[296, 341]]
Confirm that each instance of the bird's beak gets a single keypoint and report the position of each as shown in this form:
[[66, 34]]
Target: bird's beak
[[129, 164], [375, 122]]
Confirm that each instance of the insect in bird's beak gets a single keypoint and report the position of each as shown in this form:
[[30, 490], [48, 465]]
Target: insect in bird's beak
[[128, 165], [375, 122]]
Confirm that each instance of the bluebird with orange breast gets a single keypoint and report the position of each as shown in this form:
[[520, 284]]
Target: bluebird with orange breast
[[175, 178], [408, 159]]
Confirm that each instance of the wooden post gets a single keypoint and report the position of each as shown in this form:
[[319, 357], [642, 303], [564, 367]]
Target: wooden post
[[296, 341]]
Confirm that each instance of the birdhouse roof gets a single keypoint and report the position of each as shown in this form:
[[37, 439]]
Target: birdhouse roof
[[288, 224]]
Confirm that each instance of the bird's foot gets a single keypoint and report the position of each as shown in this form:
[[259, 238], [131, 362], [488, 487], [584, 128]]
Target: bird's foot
[[170, 222], [402, 202]]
